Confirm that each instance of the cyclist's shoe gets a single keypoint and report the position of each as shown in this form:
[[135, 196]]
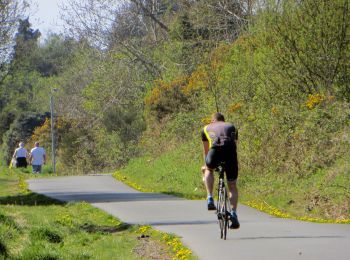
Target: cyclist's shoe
[[234, 221], [211, 205]]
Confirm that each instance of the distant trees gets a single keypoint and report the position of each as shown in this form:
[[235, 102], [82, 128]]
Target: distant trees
[[26, 46], [11, 11], [16, 90]]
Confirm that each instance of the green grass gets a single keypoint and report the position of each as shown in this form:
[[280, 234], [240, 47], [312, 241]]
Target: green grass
[[177, 173], [33, 226], [323, 196]]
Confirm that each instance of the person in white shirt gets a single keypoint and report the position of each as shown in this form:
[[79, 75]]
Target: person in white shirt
[[20, 155], [37, 158]]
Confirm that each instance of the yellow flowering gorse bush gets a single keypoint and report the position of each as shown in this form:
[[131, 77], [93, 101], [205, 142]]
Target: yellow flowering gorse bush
[[314, 100]]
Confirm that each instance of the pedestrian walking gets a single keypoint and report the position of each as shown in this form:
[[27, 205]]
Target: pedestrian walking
[[37, 157], [20, 156]]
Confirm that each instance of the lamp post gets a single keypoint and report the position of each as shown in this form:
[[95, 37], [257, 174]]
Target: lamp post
[[52, 133]]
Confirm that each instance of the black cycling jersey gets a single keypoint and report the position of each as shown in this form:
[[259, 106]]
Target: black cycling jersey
[[220, 134]]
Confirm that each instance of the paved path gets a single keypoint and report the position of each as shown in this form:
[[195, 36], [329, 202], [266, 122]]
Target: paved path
[[260, 236]]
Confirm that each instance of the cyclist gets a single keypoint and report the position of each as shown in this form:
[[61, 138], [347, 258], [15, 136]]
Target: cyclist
[[219, 143]]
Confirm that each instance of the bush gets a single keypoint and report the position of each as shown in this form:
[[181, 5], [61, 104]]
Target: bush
[[168, 98]]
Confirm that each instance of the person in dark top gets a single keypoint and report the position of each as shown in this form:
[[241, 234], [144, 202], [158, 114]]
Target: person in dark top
[[220, 145]]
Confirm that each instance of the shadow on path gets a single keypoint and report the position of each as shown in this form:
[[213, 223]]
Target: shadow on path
[[30, 199], [95, 197], [177, 223]]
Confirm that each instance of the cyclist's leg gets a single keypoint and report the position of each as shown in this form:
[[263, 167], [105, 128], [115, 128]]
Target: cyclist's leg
[[211, 162], [231, 176], [203, 168], [231, 167], [233, 193], [209, 181]]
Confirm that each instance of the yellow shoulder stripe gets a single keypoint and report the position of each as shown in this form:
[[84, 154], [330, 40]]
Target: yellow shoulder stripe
[[207, 135]]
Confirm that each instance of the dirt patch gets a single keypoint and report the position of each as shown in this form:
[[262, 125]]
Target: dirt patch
[[150, 249]]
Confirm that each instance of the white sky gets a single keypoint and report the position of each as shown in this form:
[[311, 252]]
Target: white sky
[[44, 15]]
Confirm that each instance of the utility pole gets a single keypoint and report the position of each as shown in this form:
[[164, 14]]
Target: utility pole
[[52, 136]]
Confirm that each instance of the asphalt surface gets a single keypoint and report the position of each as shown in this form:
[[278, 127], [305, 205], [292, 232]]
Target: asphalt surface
[[260, 237]]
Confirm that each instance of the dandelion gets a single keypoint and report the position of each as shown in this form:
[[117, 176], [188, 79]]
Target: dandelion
[[144, 229]]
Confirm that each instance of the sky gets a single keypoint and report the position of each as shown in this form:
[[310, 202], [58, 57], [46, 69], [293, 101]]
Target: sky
[[44, 15]]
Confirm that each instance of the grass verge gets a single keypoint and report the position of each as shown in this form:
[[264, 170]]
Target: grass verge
[[320, 197], [33, 226]]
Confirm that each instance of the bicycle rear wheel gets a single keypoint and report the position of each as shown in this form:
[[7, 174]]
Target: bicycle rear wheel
[[226, 209], [220, 211]]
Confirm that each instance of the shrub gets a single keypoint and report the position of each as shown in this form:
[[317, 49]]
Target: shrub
[[167, 98]]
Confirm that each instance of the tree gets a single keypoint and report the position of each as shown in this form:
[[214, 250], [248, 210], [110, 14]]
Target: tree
[[130, 27], [312, 44], [26, 46], [16, 89], [54, 55], [11, 11]]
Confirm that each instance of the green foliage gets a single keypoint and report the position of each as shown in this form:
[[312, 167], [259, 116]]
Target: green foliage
[[26, 46], [56, 53], [176, 172], [314, 56], [7, 119], [47, 234]]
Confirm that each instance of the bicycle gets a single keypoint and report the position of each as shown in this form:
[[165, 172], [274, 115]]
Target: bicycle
[[223, 203]]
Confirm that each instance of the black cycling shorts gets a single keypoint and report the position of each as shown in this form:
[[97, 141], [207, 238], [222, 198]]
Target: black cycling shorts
[[226, 154]]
